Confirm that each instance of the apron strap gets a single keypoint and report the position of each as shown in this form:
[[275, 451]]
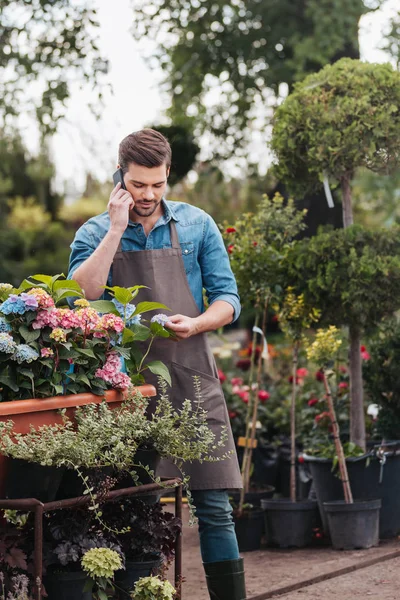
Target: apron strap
[[174, 238]]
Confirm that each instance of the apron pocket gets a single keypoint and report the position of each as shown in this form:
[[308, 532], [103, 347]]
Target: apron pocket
[[212, 397]]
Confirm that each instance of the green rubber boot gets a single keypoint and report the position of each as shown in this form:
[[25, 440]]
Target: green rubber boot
[[225, 580]]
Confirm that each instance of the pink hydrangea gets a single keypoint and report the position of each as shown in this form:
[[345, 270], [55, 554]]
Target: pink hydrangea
[[110, 322], [46, 318], [89, 318], [44, 299], [111, 372], [46, 352], [68, 319]]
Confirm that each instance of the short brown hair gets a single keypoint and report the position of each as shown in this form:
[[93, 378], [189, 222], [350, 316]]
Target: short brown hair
[[147, 148]]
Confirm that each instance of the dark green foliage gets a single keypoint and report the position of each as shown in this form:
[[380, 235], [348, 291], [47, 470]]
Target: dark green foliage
[[381, 376], [344, 117], [246, 47], [184, 150], [52, 42], [351, 275]]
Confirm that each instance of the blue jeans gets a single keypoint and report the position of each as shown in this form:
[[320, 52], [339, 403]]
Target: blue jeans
[[216, 528]]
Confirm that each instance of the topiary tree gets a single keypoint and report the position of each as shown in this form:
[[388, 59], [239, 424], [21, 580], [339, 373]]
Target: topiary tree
[[353, 277], [344, 117]]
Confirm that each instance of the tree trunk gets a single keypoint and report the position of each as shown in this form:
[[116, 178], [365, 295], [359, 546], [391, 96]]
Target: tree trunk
[[357, 417], [346, 201]]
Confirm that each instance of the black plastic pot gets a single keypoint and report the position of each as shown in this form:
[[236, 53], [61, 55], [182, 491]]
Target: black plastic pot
[[353, 525], [32, 480], [289, 524], [254, 497], [72, 485], [365, 473], [125, 579], [66, 586], [249, 529]]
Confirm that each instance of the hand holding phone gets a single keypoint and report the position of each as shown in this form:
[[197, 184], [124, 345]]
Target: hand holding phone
[[121, 202]]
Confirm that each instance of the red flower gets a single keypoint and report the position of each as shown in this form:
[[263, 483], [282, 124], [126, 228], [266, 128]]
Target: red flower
[[291, 379], [221, 376], [363, 349], [313, 401], [365, 355], [343, 369], [275, 319], [255, 244], [321, 416], [301, 460], [237, 381], [343, 385], [244, 396], [263, 396], [230, 248], [230, 230], [319, 376], [302, 372], [232, 414], [243, 364]]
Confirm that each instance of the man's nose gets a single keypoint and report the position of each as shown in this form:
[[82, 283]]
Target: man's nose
[[148, 194]]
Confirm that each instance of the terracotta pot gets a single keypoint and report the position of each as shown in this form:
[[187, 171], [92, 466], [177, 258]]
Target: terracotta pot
[[45, 411]]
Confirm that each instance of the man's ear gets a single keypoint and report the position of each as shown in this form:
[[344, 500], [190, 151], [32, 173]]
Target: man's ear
[[118, 166], [168, 171]]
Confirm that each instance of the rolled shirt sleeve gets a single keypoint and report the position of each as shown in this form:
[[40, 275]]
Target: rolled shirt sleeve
[[218, 279]]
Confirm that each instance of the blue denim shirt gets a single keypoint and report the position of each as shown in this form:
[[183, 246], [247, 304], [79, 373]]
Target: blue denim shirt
[[204, 255]]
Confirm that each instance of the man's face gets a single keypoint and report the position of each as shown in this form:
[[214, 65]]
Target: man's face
[[147, 187]]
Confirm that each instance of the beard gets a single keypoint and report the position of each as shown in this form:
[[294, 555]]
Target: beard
[[146, 211]]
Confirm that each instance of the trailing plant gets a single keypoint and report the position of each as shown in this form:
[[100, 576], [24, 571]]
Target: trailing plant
[[40, 339]]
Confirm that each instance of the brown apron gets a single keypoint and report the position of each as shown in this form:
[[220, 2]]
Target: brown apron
[[164, 273]]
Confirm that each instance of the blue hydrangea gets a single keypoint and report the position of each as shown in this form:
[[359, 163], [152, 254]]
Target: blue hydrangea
[[160, 318], [18, 305], [25, 353], [130, 309], [7, 344], [4, 325]]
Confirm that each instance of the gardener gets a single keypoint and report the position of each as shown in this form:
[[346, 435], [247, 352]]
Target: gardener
[[175, 250]]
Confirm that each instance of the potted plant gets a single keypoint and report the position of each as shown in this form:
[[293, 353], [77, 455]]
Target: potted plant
[[291, 522], [352, 524], [148, 541], [338, 120], [55, 357], [153, 588], [100, 564], [257, 245]]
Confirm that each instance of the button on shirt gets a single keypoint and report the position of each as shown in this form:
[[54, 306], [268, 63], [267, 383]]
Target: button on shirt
[[203, 251]]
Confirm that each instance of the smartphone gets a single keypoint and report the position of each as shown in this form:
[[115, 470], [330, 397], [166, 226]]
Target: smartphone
[[118, 177]]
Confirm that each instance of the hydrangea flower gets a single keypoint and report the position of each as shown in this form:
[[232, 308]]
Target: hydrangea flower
[[111, 322], [46, 352], [127, 311], [24, 353], [7, 343], [111, 372], [43, 298], [82, 302], [4, 325], [161, 319], [13, 305], [5, 287], [58, 335]]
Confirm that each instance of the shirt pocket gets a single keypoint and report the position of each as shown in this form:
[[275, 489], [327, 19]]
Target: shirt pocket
[[188, 255]]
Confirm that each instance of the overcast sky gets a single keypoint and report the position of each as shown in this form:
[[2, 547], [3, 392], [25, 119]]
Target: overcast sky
[[84, 145]]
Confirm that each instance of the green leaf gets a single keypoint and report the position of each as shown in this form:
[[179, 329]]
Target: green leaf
[[27, 373], [127, 336], [86, 351], [136, 355], [159, 330], [158, 368], [66, 284], [141, 332], [144, 307], [121, 294], [84, 378], [7, 378], [59, 389], [102, 595], [29, 336], [124, 352], [104, 306], [135, 289], [25, 285], [60, 295], [47, 279]]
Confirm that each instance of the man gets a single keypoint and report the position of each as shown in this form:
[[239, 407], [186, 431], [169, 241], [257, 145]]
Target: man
[[176, 250]]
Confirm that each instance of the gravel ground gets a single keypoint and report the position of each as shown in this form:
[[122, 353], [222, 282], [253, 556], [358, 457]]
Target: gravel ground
[[268, 570]]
